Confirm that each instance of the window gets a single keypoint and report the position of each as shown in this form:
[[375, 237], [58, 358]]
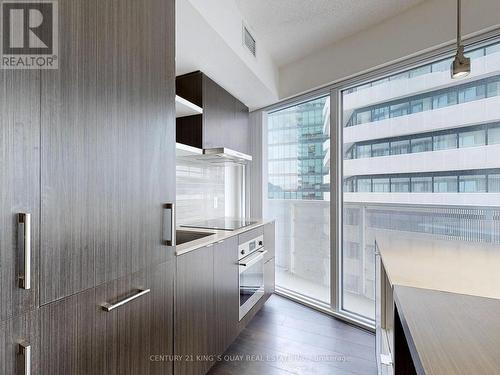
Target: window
[[380, 113], [364, 151], [364, 185], [421, 144], [298, 197], [494, 183], [400, 185], [494, 135], [400, 147], [380, 149], [472, 184], [423, 104], [445, 141], [472, 138], [493, 88], [381, 185], [444, 100], [432, 194], [445, 184], [421, 184], [400, 109], [469, 94], [363, 117]]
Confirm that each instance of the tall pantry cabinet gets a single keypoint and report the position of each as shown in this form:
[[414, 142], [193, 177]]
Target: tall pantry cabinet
[[87, 156]]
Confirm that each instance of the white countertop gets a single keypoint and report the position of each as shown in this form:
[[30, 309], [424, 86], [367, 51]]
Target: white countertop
[[218, 235], [415, 260]]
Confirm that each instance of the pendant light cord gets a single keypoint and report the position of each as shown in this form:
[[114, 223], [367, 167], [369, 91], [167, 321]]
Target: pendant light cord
[[459, 11]]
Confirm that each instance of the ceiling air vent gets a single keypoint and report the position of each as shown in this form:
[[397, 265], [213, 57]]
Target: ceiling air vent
[[249, 41]]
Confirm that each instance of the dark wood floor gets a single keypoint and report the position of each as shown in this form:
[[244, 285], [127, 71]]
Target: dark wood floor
[[287, 338]]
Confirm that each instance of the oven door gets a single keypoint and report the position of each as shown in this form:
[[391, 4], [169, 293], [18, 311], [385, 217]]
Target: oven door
[[251, 280]]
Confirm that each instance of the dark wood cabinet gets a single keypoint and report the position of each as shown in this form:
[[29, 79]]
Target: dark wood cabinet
[[78, 337], [108, 150], [68, 331], [20, 344], [194, 312], [136, 338], [224, 122], [227, 294], [19, 186]]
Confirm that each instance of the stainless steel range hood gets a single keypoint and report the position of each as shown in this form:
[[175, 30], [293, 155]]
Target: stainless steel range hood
[[219, 155], [222, 155]]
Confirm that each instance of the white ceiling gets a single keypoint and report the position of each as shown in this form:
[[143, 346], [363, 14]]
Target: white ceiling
[[292, 29]]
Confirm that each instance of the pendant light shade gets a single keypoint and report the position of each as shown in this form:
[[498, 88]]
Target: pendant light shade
[[460, 67]]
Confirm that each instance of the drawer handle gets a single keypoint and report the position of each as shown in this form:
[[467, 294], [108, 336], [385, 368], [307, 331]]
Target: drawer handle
[[24, 227], [110, 307], [25, 351]]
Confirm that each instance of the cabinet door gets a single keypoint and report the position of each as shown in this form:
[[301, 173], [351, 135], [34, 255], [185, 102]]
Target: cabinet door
[[80, 338], [19, 186], [226, 279], [137, 337], [194, 312], [68, 335], [108, 143], [20, 345], [241, 132], [270, 240]]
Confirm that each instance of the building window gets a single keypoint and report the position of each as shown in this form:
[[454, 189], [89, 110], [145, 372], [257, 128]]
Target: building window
[[400, 185], [364, 151], [381, 185], [421, 184], [494, 183], [445, 142], [380, 149], [445, 184], [364, 185], [472, 184], [421, 144], [400, 147], [472, 138], [494, 135]]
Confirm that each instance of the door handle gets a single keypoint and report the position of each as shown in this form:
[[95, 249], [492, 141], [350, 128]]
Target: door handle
[[169, 224], [24, 230], [25, 351], [252, 259], [111, 306]]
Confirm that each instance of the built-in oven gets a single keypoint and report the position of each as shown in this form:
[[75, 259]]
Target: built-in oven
[[251, 267]]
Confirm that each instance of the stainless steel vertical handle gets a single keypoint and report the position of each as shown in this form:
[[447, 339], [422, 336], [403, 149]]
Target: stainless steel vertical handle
[[24, 227], [169, 224], [25, 351]]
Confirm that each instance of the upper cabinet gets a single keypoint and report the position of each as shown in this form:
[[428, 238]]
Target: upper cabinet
[[108, 143], [19, 190], [224, 121]]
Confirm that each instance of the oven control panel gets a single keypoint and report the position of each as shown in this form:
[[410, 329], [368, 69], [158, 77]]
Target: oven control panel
[[249, 247]]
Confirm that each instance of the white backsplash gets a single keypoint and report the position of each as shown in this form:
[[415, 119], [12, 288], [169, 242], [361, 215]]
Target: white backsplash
[[200, 187]]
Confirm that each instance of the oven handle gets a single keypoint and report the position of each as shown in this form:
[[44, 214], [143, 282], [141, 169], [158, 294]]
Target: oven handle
[[252, 259]]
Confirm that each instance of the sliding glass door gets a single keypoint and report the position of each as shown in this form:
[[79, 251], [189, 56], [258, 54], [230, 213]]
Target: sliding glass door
[[298, 197]]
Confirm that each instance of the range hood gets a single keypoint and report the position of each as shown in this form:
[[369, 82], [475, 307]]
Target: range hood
[[219, 155]]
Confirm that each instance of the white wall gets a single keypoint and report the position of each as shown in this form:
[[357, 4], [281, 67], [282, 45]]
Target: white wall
[[424, 26]]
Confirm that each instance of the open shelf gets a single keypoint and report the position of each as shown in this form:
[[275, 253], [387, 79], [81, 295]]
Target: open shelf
[[185, 108]]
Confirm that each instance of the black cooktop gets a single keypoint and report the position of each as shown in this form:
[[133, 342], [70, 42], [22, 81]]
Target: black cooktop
[[223, 223]]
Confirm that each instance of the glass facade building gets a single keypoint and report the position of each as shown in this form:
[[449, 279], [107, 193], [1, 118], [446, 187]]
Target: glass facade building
[[295, 152]]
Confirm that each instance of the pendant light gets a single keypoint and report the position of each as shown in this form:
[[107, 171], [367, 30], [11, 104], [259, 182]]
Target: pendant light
[[461, 64]]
